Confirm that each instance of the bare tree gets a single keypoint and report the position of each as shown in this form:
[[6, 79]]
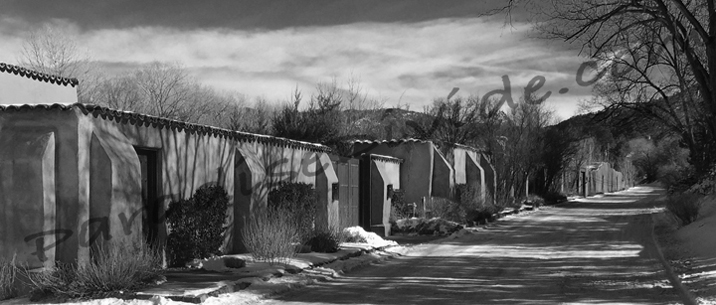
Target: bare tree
[[168, 90], [166, 87], [256, 117], [469, 121], [661, 55], [52, 51], [328, 97], [521, 142], [263, 114], [121, 92], [157, 88], [334, 116]]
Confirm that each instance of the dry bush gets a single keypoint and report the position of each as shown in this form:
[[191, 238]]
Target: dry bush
[[468, 207], [553, 197], [197, 225], [272, 235], [399, 209], [8, 275], [115, 267], [684, 207], [326, 240], [440, 207], [535, 200], [298, 200]]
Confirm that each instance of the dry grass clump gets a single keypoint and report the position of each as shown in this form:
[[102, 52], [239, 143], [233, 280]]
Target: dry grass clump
[[469, 207], [684, 207], [115, 267], [326, 240], [8, 275], [272, 235]]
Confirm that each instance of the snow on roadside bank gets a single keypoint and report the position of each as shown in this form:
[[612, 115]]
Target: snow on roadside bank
[[691, 250]]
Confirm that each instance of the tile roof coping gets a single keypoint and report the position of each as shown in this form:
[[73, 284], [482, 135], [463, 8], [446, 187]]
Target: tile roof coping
[[393, 141], [384, 158], [471, 148], [413, 140], [39, 76], [133, 118]]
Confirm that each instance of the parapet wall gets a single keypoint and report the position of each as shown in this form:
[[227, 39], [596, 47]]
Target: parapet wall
[[22, 86], [427, 172]]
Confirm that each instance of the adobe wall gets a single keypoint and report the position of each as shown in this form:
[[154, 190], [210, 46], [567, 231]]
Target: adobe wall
[[467, 169], [45, 209], [458, 159], [248, 170], [416, 173], [385, 175], [21, 89], [443, 176], [601, 178], [96, 192], [28, 165], [490, 175], [185, 162]]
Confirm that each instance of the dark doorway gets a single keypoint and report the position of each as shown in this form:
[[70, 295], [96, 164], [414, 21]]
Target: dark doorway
[[149, 162], [584, 186]]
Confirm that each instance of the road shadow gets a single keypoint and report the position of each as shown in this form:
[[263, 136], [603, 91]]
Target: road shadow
[[582, 252]]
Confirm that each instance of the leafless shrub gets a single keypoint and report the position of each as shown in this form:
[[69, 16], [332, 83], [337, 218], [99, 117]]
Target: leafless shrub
[[8, 275], [272, 235], [116, 267], [684, 207]]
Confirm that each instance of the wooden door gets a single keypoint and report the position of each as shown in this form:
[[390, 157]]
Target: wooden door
[[348, 190], [354, 191]]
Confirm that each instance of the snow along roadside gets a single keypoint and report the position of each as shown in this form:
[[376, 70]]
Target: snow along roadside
[[685, 293]]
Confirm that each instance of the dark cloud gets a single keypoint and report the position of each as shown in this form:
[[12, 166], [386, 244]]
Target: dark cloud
[[241, 14], [411, 81]]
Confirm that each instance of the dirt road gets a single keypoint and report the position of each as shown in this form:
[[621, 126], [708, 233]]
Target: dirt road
[[597, 251]]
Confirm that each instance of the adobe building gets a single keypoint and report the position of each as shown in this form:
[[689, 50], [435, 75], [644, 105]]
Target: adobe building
[[73, 175], [424, 172], [380, 176], [600, 178], [473, 167]]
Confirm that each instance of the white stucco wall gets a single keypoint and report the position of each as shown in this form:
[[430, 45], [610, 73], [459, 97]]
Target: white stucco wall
[[17, 89]]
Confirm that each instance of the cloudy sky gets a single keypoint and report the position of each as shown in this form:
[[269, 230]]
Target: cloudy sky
[[405, 52]]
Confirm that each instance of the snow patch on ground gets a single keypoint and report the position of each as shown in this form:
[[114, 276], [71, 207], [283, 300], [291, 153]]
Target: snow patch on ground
[[361, 236]]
